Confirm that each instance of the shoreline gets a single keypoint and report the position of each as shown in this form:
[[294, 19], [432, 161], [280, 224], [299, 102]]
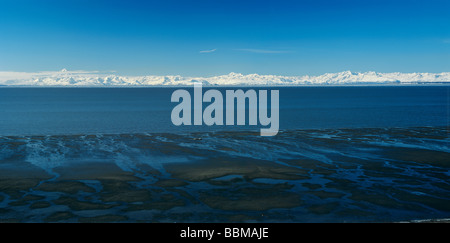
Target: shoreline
[[392, 84], [240, 131], [347, 175]]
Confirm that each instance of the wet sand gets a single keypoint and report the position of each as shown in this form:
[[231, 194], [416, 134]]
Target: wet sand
[[347, 175]]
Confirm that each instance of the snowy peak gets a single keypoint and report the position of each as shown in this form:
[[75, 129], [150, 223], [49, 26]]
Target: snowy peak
[[65, 77]]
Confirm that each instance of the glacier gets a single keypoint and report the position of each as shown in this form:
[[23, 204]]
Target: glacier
[[65, 77]]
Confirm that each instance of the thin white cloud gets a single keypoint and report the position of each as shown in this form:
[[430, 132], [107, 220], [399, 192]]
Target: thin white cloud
[[208, 51], [262, 51]]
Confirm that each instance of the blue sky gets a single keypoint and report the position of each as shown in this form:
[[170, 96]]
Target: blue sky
[[214, 37]]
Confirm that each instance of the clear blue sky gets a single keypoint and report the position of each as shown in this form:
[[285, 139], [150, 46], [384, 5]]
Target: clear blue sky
[[213, 37]]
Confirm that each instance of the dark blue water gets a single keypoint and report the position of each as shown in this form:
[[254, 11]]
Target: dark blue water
[[381, 154], [51, 111]]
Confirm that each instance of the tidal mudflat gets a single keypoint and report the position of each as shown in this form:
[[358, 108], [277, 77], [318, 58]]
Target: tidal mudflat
[[322, 175]]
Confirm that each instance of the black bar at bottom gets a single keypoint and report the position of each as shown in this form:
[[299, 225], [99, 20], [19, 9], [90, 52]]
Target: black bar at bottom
[[229, 232]]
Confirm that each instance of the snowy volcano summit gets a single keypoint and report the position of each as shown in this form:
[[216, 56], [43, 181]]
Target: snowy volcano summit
[[85, 78]]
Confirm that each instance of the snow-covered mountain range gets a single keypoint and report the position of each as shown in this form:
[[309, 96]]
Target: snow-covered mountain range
[[85, 78]]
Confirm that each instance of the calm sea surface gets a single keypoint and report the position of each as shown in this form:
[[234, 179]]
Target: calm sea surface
[[55, 111], [343, 154]]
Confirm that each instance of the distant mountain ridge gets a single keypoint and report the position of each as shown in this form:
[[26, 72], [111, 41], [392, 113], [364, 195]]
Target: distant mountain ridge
[[85, 78]]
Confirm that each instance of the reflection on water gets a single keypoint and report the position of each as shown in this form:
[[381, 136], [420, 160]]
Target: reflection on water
[[328, 175]]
